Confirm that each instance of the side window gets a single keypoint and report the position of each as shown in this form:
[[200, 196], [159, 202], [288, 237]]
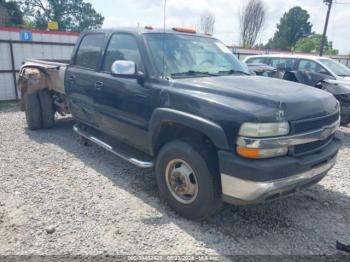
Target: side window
[[89, 51], [122, 47], [285, 64], [309, 65]]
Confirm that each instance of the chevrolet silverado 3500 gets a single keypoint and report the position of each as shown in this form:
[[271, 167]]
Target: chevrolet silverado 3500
[[182, 104]]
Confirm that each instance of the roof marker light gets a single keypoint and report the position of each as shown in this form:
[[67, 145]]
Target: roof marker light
[[184, 30]]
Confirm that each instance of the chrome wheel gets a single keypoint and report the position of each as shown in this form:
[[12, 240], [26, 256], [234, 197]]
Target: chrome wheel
[[181, 181]]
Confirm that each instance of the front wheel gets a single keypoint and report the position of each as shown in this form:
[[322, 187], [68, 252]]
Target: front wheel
[[188, 179]]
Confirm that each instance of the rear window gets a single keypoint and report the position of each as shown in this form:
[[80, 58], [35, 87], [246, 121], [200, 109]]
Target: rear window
[[89, 51]]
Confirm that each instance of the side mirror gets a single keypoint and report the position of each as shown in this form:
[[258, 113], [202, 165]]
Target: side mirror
[[126, 69]]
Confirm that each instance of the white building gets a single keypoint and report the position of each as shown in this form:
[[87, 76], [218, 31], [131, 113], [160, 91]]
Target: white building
[[17, 44]]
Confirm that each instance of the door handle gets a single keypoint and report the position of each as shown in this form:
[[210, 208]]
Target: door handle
[[99, 85], [71, 82]]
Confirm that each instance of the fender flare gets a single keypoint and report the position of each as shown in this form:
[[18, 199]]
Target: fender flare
[[161, 116]]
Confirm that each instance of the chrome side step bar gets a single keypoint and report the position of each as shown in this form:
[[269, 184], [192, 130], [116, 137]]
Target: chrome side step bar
[[119, 149]]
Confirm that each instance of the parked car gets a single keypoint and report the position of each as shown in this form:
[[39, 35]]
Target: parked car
[[321, 72], [316, 64], [181, 103]]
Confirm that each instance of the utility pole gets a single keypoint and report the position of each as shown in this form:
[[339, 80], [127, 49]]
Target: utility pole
[[329, 3]]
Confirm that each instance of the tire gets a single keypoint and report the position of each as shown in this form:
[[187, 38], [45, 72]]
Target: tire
[[345, 119], [33, 111], [47, 109], [207, 200], [345, 122]]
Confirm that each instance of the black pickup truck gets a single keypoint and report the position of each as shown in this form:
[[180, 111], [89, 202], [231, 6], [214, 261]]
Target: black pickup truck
[[181, 103]]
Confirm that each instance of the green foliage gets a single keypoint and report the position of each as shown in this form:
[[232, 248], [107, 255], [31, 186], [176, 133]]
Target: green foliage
[[71, 15], [312, 44], [29, 25], [293, 25], [14, 15]]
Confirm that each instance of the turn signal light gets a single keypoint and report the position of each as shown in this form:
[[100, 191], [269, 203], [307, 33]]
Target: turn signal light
[[184, 30], [248, 152], [255, 153]]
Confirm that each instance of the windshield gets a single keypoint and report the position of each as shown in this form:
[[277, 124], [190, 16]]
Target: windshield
[[337, 68], [197, 56]]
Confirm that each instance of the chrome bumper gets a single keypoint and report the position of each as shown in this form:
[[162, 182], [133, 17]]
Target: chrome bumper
[[241, 191]]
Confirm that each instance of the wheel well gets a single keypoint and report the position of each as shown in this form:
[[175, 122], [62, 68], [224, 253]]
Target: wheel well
[[170, 131]]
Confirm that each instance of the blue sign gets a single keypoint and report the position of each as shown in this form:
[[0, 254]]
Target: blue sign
[[25, 36]]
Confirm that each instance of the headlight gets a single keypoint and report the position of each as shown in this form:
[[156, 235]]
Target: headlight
[[260, 131], [264, 129]]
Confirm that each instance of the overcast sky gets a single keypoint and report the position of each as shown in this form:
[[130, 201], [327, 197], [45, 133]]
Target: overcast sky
[[187, 13]]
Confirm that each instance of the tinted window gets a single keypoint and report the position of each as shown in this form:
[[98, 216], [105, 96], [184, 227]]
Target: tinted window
[[89, 51], [122, 47], [285, 64]]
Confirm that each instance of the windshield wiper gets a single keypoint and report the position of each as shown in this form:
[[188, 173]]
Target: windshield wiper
[[193, 73], [233, 71]]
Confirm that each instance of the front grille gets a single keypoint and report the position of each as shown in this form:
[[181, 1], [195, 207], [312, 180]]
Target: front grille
[[314, 123], [312, 147]]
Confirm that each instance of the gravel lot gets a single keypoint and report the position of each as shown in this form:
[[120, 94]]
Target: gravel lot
[[59, 197]]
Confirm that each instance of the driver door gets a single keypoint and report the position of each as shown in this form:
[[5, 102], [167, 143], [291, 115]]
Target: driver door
[[123, 104]]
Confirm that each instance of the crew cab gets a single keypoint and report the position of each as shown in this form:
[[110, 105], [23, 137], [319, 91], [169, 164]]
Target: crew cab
[[182, 104]]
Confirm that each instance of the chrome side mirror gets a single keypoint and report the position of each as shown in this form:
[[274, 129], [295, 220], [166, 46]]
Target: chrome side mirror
[[124, 68]]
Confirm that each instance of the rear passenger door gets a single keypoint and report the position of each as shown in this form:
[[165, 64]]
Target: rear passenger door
[[80, 78]]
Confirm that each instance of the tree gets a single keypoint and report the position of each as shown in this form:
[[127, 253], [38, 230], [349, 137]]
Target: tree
[[252, 19], [71, 15], [293, 25], [313, 44], [207, 23], [11, 14]]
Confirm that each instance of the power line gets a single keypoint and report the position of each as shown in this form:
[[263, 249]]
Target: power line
[[329, 3]]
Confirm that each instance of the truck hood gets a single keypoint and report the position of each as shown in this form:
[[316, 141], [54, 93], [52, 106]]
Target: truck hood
[[254, 94]]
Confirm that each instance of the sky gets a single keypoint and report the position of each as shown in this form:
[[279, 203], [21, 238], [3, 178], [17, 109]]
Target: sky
[[121, 13]]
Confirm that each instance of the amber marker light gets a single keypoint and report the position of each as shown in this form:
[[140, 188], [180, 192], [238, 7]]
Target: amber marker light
[[248, 152], [184, 30]]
